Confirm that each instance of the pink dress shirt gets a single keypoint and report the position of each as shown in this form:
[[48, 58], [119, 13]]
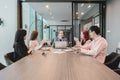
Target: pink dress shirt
[[97, 48]]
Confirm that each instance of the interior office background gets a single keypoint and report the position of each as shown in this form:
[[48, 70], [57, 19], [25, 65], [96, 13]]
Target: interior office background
[[8, 13]]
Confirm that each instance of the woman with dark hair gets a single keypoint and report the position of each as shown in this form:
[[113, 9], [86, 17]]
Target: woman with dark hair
[[20, 49], [34, 41]]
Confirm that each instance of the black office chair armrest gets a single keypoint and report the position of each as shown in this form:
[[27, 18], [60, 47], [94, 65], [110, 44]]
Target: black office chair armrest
[[9, 59], [117, 71], [110, 62], [2, 66]]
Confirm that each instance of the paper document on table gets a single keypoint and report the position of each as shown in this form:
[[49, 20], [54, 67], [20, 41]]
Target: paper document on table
[[58, 51], [68, 50]]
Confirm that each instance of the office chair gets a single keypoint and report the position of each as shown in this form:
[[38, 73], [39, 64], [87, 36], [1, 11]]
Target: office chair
[[2, 66], [117, 71], [112, 61], [9, 58]]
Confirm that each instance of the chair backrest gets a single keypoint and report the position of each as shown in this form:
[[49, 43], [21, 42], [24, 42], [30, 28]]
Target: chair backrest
[[9, 57], [110, 57], [113, 60], [2, 66]]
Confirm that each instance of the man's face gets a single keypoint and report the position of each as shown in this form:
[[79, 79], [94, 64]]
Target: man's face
[[61, 34]]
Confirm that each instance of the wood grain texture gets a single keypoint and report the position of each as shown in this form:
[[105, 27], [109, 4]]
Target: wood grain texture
[[67, 66]]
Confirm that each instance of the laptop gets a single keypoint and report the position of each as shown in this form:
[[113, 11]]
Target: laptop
[[60, 44]]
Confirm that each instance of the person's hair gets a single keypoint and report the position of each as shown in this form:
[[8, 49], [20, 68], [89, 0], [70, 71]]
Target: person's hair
[[34, 35], [95, 28], [19, 36], [85, 35]]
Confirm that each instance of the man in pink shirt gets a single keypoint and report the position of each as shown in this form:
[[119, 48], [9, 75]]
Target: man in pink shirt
[[98, 47]]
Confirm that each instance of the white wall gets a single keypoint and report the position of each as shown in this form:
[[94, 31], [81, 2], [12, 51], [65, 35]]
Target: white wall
[[8, 12], [113, 24]]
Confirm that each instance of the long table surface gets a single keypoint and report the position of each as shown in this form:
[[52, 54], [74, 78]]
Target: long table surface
[[66, 66]]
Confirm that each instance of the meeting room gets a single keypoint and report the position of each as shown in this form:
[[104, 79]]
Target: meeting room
[[59, 40]]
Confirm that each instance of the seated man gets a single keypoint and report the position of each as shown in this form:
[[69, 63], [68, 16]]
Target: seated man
[[60, 37], [98, 47]]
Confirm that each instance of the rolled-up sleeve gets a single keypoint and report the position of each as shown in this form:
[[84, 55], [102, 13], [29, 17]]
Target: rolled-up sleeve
[[96, 49]]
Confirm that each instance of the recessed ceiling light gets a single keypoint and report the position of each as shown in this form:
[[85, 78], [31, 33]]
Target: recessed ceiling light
[[47, 6], [89, 6], [82, 13], [82, 4]]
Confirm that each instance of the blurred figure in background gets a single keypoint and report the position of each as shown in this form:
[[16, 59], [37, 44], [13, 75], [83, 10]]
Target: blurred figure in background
[[60, 37]]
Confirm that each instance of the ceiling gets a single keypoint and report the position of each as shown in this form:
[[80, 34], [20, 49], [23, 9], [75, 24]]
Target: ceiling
[[56, 13], [83, 9]]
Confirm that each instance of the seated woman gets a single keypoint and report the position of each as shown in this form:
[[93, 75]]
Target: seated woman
[[34, 41], [85, 38], [20, 49]]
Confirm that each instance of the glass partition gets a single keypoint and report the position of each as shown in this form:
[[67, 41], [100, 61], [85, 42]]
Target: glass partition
[[47, 18], [72, 17], [84, 16]]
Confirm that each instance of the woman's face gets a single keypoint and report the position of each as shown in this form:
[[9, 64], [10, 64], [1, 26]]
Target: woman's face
[[25, 37]]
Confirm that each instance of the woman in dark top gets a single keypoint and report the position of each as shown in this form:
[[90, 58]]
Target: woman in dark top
[[20, 49]]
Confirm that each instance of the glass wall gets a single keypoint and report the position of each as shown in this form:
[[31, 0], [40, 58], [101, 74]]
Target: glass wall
[[52, 17], [53, 30], [45, 30], [40, 27], [48, 19], [32, 20], [84, 16]]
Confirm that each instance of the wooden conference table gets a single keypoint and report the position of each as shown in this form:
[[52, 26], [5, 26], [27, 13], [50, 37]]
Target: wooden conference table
[[66, 66]]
